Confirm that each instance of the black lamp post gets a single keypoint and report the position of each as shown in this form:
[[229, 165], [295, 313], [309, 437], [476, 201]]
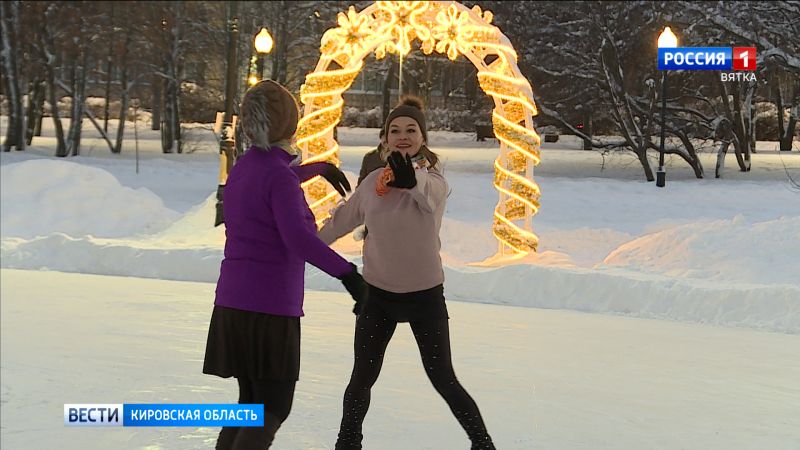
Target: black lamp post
[[226, 141], [666, 40], [661, 174]]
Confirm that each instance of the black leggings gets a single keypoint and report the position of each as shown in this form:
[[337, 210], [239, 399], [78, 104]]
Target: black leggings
[[374, 330], [276, 396]]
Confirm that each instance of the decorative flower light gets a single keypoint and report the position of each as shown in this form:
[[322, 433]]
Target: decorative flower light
[[452, 31], [402, 20], [450, 28], [487, 16], [353, 34]]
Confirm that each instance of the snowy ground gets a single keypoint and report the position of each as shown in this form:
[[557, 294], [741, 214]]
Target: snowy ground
[[696, 254], [543, 379], [720, 251]]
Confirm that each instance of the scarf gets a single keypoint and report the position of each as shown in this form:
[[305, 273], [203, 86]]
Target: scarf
[[381, 185]]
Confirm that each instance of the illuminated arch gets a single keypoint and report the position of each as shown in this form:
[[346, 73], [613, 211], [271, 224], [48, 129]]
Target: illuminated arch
[[453, 29]]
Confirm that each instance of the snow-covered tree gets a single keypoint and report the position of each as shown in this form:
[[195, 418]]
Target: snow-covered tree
[[597, 61], [774, 29]]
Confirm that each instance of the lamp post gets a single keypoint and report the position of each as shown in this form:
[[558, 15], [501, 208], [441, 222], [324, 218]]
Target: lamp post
[[263, 44], [666, 40], [226, 138]]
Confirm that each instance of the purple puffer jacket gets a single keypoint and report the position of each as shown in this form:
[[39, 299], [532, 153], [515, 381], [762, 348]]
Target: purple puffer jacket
[[270, 236]]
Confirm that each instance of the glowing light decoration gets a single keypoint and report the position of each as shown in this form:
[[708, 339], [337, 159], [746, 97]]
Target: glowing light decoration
[[403, 22], [452, 31], [449, 28]]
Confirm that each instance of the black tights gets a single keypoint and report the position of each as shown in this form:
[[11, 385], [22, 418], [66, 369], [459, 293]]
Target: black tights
[[276, 396], [374, 330]]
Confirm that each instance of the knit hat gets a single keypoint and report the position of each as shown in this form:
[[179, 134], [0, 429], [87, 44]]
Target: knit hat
[[409, 107], [268, 114]]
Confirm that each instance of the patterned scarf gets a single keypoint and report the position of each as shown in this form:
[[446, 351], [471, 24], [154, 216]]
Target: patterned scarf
[[381, 185]]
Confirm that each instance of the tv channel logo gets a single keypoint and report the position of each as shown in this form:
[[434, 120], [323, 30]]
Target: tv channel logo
[[707, 58], [93, 415]]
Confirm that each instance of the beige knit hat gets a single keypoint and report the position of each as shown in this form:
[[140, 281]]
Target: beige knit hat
[[269, 114]]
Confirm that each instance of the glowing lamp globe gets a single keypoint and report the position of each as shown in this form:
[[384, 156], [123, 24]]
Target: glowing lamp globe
[[667, 39], [264, 41]]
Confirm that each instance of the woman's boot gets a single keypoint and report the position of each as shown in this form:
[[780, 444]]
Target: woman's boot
[[349, 440]]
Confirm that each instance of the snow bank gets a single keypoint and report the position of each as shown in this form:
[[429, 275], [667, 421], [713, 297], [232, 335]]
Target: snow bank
[[40, 197], [709, 251], [194, 229], [723, 250], [546, 281], [774, 308]]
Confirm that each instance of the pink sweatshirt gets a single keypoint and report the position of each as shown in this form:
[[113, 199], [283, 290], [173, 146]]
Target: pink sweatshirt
[[401, 250]]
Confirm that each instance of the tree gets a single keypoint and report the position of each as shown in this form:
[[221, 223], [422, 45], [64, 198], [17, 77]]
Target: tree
[[774, 29], [79, 53], [46, 49], [786, 94], [10, 37], [598, 57], [109, 63]]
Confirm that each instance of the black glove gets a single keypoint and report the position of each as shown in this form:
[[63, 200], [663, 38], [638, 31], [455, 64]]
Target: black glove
[[357, 287], [336, 178], [403, 170]]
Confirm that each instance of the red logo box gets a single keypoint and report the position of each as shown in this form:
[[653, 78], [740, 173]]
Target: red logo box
[[744, 58]]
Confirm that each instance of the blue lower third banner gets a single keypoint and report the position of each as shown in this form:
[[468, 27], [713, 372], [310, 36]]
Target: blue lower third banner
[[163, 415]]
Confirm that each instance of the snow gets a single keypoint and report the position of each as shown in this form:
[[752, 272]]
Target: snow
[[75, 199], [543, 379], [697, 254], [717, 251], [709, 251]]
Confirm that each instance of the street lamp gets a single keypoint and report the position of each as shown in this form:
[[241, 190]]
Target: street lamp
[[227, 143], [666, 40], [263, 44]]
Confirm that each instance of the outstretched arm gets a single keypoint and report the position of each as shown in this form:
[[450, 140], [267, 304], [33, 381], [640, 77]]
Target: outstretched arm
[[306, 172], [290, 208], [344, 219], [331, 173]]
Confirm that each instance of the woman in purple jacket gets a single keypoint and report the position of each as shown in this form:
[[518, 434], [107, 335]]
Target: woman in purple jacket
[[254, 334]]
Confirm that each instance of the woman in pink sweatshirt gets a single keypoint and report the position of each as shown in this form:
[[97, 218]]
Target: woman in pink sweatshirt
[[402, 206]]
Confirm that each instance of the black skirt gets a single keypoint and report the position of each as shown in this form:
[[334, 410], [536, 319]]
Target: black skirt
[[258, 346], [414, 306]]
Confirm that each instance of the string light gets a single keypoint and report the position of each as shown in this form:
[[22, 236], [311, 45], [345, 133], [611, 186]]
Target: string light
[[451, 29]]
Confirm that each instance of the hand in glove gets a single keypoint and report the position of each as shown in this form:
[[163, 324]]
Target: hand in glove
[[357, 287], [336, 178], [403, 171]]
